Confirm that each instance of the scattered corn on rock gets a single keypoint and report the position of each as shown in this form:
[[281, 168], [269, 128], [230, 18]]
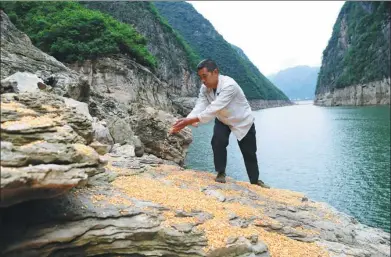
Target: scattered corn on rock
[[185, 194]]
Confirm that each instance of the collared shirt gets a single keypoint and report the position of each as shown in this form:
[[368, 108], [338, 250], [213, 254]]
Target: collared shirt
[[229, 105]]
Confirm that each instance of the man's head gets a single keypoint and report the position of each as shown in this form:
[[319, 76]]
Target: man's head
[[208, 72]]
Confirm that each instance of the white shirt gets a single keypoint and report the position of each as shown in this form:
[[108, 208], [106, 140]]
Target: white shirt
[[229, 105]]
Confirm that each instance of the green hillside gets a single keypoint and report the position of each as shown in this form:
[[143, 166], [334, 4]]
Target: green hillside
[[359, 48], [70, 32], [200, 34], [137, 13]]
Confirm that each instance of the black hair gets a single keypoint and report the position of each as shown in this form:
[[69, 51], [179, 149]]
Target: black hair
[[209, 64]]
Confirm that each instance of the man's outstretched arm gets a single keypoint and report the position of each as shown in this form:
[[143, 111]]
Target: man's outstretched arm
[[224, 98], [201, 104]]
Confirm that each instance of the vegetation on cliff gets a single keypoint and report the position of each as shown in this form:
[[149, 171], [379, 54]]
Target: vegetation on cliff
[[359, 48], [208, 43], [124, 12], [192, 56], [70, 32]]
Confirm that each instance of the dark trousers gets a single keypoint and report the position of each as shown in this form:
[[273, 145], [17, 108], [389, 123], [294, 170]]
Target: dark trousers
[[248, 147]]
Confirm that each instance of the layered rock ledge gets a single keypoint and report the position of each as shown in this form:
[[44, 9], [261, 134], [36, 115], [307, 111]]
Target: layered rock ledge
[[44, 147], [143, 207]]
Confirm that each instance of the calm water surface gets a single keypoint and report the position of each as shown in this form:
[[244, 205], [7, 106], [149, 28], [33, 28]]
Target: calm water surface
[[338, 155]]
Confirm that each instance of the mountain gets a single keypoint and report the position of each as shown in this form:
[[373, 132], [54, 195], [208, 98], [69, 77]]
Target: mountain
[[297, 82], [200, 34], [356, 62]]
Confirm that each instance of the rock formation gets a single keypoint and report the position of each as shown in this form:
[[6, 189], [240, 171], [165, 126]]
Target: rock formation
[[373, 93], [44, 147], [125, 81], [112, 88], [142, 207], [356, 63], [153, 126]]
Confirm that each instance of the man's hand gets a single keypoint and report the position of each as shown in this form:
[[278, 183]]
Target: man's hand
[[182, 123]]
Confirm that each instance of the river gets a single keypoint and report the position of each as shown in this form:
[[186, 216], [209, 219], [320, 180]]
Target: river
[[337, 155]]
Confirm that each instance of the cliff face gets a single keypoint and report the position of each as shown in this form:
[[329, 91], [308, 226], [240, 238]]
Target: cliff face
[[118, 76], [208, 43], [372, 93], [356, 62], [125, 81], [174, 67]]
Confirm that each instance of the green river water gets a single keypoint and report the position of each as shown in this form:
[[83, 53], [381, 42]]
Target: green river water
[[337, 155]]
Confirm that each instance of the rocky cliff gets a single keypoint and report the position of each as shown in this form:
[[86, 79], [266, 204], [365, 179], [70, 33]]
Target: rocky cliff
[[174, 64], [356, 62], [372, 93]]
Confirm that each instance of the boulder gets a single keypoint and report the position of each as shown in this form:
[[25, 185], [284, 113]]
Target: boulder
[[79, 106], [123, 150], [153, 128], [102, 133], [21, 82], [100, 148]]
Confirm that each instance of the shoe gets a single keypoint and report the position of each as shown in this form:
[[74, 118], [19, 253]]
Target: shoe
[[261, 184], [220, 177]]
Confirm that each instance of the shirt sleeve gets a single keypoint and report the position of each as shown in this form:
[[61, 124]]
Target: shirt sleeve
[[222, 100], [201, 104]]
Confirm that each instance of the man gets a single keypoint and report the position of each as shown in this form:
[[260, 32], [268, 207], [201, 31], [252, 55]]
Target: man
[[221, 97]]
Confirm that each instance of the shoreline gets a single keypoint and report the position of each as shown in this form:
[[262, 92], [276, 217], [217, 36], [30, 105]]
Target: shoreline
[[330, 206]]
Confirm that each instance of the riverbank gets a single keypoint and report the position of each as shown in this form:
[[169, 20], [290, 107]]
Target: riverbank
[[163, 208], [374, 93], [263, 104]]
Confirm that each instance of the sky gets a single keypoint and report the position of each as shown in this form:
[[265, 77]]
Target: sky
[[275, 35]]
